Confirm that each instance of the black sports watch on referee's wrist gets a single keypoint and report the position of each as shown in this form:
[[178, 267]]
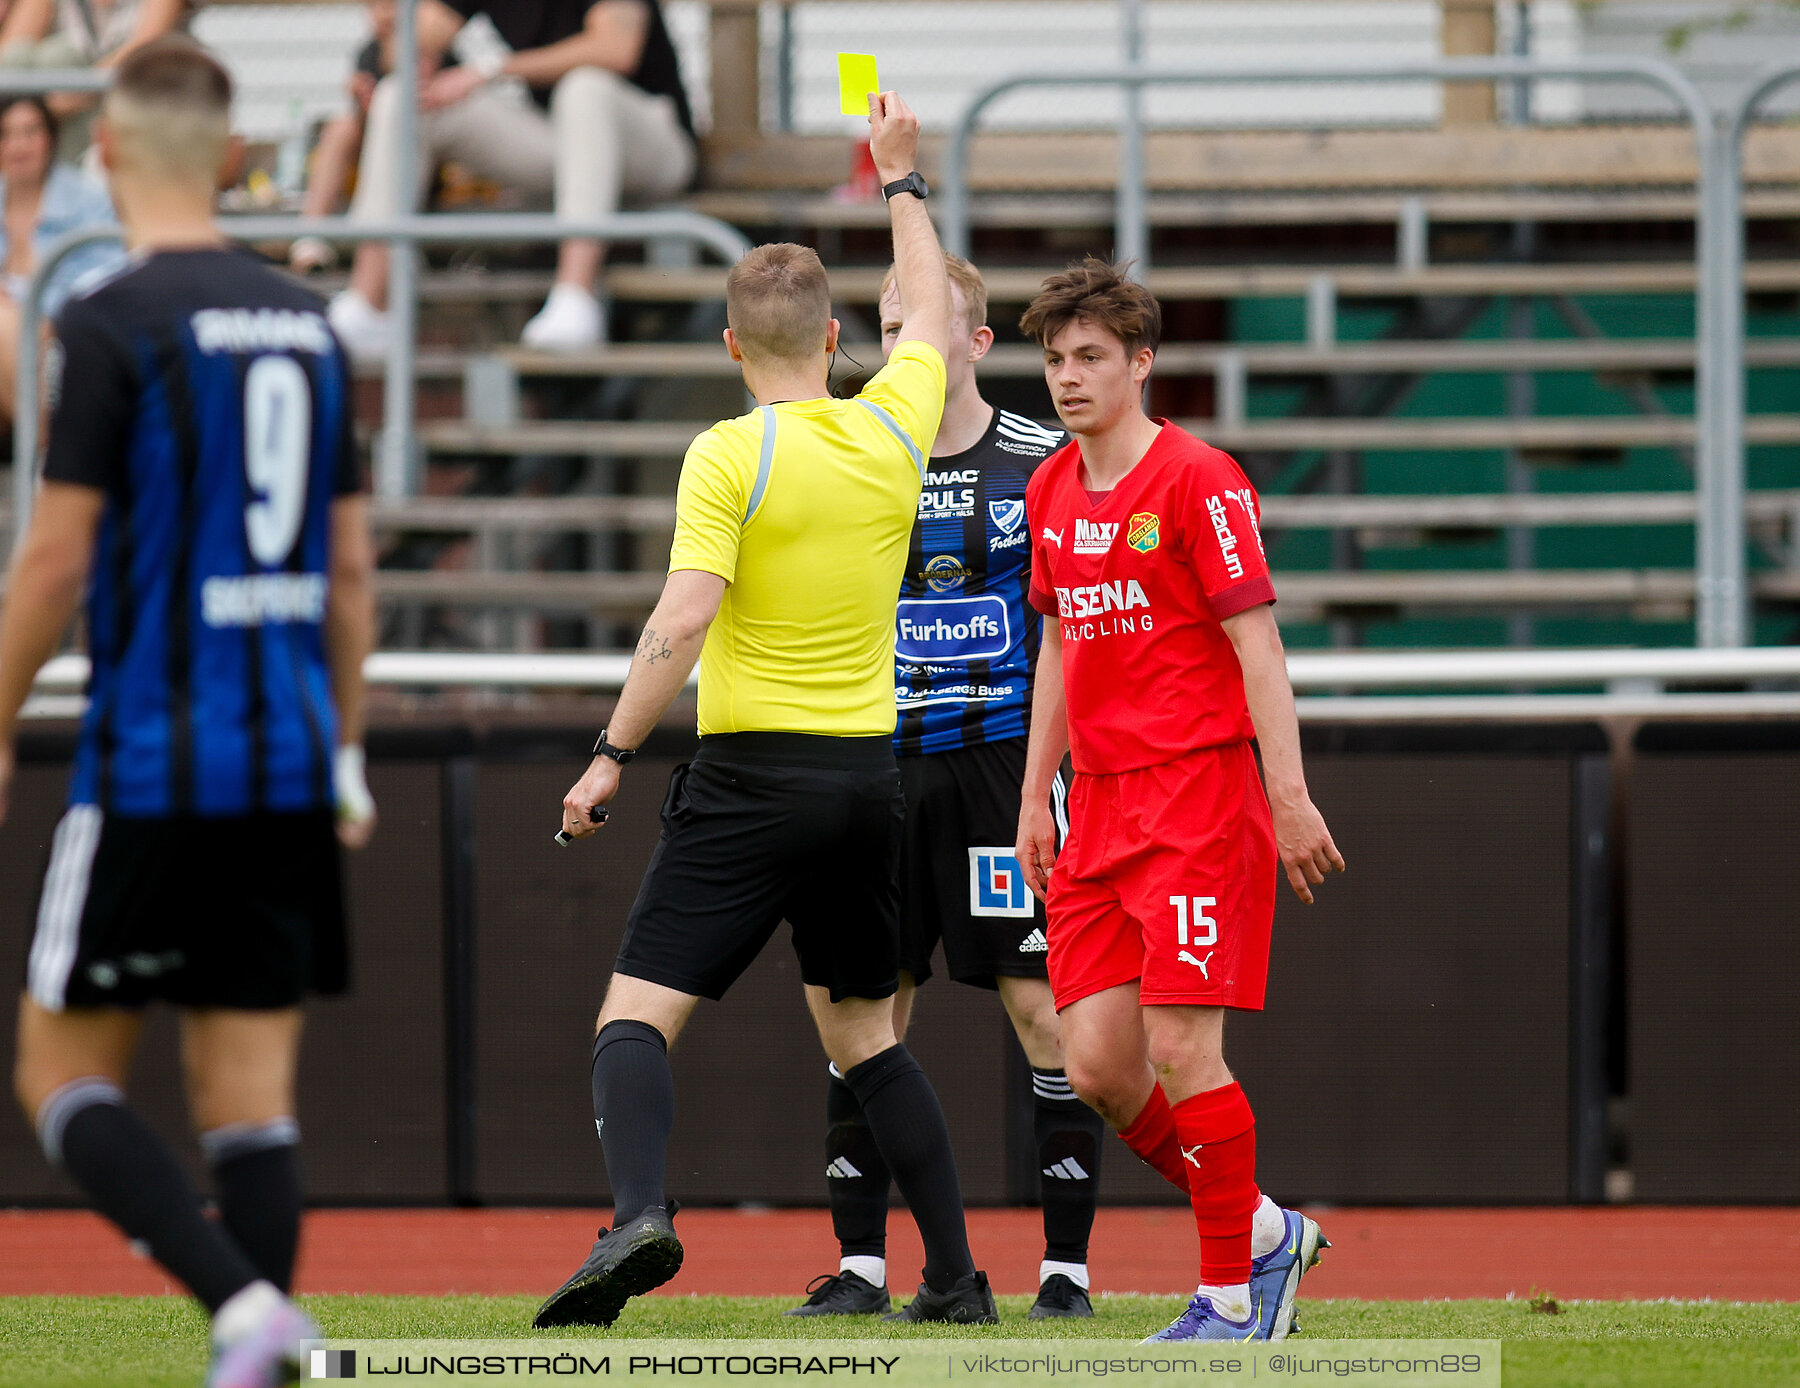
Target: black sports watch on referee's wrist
[[913, 183], [622, 755]]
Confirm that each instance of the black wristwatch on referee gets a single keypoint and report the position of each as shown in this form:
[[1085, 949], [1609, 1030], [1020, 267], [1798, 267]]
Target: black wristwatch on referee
[[913, 183], [622, 755]]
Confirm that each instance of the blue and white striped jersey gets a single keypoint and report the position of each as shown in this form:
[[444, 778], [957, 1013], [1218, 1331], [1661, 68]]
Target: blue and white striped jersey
[[205, 395], [966, 637]]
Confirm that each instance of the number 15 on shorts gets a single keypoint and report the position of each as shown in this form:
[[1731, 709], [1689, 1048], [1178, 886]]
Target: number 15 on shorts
[[1194, 927]]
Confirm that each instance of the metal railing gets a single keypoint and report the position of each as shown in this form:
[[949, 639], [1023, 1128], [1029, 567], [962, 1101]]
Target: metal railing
[[1720, 534], [1722, 594], [1389, 685]]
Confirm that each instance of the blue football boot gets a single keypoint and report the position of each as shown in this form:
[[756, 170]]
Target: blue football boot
[[1201, 1322], [1275, 1277]]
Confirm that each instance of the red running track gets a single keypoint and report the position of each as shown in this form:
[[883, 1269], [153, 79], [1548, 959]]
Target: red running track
[[1379, 1254]]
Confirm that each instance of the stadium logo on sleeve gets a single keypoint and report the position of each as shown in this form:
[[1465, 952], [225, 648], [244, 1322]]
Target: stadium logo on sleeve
[[1008, 515], [1143, 532], [1228, 543], [997, 884]]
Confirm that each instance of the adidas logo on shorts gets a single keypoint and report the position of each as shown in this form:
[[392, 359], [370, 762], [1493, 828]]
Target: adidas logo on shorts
[[842, 1169], [1034, 943]]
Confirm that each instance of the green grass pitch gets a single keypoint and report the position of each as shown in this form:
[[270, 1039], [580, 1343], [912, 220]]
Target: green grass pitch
[[158, 1342]]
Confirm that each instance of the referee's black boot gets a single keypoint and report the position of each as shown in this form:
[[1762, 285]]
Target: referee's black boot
[[970, 1301], [841, 1294], [641, 1254]]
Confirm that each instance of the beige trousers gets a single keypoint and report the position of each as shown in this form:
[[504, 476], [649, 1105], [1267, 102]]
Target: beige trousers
[[602, 140]]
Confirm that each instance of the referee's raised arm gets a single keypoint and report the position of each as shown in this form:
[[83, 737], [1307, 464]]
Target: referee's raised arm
[[919, 271]]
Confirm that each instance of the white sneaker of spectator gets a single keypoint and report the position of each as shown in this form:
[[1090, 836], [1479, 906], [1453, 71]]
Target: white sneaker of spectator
[[570, 320], [360, 326], [310, 253]]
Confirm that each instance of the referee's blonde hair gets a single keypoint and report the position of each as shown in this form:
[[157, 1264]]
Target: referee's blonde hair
[[169, 111], [778, 302]]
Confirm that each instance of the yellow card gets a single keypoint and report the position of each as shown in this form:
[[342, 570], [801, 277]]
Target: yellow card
[[856, 79]]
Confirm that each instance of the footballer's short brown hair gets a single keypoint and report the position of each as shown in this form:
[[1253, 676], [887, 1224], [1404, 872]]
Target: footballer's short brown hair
[[778, 302], [1100, 293], [963, 276], [169, 110]]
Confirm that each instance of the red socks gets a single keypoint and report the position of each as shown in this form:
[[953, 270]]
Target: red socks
[[1152, 1136], [1216, 1133]]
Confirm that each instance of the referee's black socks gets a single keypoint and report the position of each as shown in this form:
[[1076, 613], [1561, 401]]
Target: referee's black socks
[[1069, 1136], [134, 1180], [908, 1124], [634, 1108], [256, 1178], [856, 1178]]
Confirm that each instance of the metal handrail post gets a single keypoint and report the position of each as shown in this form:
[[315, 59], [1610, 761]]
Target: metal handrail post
[[1718, 411], [1721, 593], [394, 470], [1131, 221], [26, 414], [1733, 601], [723, 239]]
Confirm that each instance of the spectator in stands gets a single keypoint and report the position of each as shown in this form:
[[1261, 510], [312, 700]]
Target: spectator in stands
[[81, 33], [340, 141], [587, 106], [41, 200]]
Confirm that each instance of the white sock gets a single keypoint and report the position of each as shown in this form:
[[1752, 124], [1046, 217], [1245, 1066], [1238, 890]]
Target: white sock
[[1228, 1301], [243, 1311], [1075, 1272], [871, 1269], [1267, 1229]]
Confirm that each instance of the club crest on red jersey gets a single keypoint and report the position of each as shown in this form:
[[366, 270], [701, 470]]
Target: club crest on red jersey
[[1143, 532]]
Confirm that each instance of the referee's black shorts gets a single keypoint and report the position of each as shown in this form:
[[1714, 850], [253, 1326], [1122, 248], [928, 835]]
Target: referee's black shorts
[[241, 911], [765, 827], [959, 880]]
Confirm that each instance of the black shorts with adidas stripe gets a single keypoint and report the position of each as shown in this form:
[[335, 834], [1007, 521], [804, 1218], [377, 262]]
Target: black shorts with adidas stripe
[[959, 880], [234, 911]]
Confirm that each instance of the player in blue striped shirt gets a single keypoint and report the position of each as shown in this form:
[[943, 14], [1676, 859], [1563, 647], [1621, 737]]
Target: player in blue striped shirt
[[200, 482], [965, 644]]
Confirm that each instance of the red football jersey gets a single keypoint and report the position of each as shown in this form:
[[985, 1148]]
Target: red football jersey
[[1141, 581]]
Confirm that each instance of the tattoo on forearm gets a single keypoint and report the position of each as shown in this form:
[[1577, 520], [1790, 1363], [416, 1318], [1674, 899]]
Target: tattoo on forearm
[[652, 648]]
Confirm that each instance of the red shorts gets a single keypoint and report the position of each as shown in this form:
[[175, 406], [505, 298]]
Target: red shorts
[[1168, 879]]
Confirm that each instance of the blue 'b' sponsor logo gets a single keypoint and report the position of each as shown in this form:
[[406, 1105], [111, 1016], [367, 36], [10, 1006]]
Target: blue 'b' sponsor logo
[[997, 884], [1008, 515], [953, 630]]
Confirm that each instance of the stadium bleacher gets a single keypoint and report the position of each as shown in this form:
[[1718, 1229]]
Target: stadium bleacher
[[1306, 335], [1454, 348]]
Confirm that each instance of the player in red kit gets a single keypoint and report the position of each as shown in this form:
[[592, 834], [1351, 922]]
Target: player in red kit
[[1160, 662]]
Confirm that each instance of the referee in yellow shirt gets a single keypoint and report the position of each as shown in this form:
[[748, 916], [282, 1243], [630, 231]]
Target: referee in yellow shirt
[[792, 525]]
